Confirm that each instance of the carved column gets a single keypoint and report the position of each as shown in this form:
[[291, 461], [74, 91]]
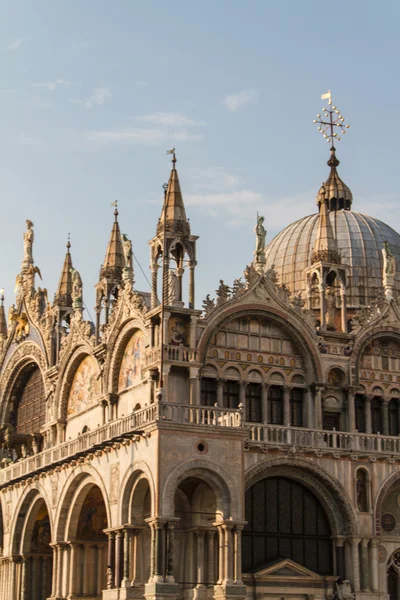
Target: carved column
[[322, 303], [72, 589], [340, 558], [368, 420], [58, 574], [221, 546], [355, 563], [211, 556], [385, 416], [228, 547], [200, 558], [343, 315], [264, 403], [194, 385], [118, 558], [242, 395], [318, 407], [237, 534], [100, 569], [111, 558], [126, 582], [159, 527], [154, 295], [286, 406], [364, 565], [374, 566], [35, 573], [170, 551], [351, 413], [25, 578], [220, 393], [192, 265]]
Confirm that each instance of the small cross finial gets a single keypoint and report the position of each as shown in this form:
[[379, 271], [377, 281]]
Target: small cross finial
[[332, 122], [116, 213], [2, 296], [69, 242]]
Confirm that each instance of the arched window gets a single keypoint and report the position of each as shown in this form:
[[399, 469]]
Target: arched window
[[253, 402], [359, 402], [285, 520], [275, 405], [296, 407], [376, 415], [208, 391], [231, 394], [362, 490], [30, 407], [393, 416]]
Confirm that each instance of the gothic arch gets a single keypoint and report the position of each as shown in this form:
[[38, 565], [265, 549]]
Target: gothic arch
[[331, 494], [214, 474], [66, 378], [137, 470], [116, 353], [78, 480], [299, 335], [27, 353]]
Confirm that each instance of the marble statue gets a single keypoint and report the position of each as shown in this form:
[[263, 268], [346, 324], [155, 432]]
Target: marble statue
[[28, 243], [389, 261], [77, 292], [342, 590], [261, 234], [127, 246], [330, 308], [222, 292], [173, 287]]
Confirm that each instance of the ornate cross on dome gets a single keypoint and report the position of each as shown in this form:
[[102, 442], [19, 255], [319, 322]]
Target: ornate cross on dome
[[332, 122]]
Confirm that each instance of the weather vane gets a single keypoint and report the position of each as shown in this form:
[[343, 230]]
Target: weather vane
[[331, 124]]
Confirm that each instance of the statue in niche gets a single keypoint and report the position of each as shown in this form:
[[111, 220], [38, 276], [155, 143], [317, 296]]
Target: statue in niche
[[330, 308], [261, 234], [361, 491], [28, 243], [173, 286], [109, 578], [77, 289]]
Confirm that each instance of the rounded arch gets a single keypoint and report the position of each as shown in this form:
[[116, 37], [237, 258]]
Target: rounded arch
[[211, 370], [362, 483], [277, 376], [380, 498], [77, 480], [332, 496], [118, 349], [254, 374], [220, 481], [233, 373], [67, 376], [27, 353], [138, 470], [300, 336], [379, 331], [24, 513], [336, 376]]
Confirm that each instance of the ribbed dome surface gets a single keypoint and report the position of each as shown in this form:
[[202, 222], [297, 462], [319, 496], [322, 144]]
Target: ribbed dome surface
[[360, 241]]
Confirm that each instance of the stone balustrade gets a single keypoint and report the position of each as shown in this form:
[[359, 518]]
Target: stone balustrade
[[176, 354], [300, 437]]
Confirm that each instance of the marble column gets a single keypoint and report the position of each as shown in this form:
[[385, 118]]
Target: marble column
[[242, 395], [118, 558], [59, 572], [100, 569], [126, 582], [25, 578], [237, 534], [111, 559], [159, 550], [287, 421], [340, 558], [374, 565], [220, 393], [35, 576], [351, 413], [221, 546], [322, 303], [368, 420], [170, 552], [192, 265], [194, 385], [343, 315], [211, 556], [72, 569], [355, 562], [318, 407], [154, 275], [385, 416], [264, 403], [200, 558], [228, 551], [364, 565]]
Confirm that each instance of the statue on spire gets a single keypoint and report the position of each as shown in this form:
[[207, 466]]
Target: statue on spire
[[28, 245], [127, 273], [77, 290], [389, 270], [261, 234]]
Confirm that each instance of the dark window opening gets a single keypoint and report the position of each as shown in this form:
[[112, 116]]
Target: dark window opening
[[285, 520], [393, 417], [231, 394], [330, 421], [208, 391], [253, 402], [275, 405], [376, 415], [296, 407], [359, 402]]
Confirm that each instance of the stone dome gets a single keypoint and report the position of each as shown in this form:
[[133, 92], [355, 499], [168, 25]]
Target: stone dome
[[359, 240]]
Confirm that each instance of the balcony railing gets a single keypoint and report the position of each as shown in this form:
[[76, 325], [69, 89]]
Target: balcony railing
[[138, 421], [171, 353], [277, 436]]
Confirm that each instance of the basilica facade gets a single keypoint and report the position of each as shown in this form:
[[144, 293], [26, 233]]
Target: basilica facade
[[247, 448]]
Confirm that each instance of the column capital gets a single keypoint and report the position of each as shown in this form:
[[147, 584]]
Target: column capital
[[375, 543], [157, 522], [365, 542], [355, 541]]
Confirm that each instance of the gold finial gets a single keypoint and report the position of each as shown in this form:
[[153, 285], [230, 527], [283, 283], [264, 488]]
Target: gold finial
[[2, 296], [116, 213], [173, 152], [69, 242], [334, 121]]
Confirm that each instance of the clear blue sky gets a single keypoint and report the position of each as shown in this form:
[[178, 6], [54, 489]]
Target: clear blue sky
[[93, 93]]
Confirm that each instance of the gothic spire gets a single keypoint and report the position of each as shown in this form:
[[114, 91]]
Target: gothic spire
[[63, 295], [336, 193], [114, 261], [176, 220], [325, 249], [3, 322]]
